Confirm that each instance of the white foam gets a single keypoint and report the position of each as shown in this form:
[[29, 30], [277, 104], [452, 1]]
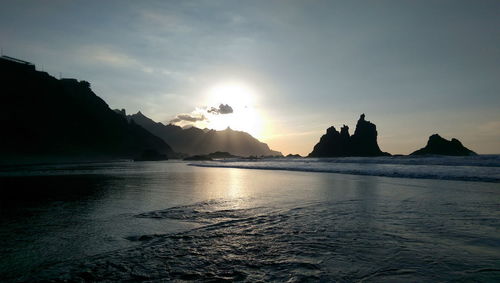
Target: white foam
[[485, 168]]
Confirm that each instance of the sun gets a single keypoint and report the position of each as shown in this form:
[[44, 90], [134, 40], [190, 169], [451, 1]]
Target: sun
[[242, 99]]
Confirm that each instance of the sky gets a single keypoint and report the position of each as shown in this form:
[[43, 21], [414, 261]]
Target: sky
[[287, 70]]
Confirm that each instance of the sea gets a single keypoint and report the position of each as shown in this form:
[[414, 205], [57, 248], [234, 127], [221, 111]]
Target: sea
[[382, 219]]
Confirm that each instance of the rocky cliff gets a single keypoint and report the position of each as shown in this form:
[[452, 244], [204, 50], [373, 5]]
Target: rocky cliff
[[46, 119], [362, 143]]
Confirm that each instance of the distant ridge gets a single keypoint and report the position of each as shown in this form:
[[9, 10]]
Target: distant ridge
[[362, 143], [437, 145], [194, 141], [45, 119]]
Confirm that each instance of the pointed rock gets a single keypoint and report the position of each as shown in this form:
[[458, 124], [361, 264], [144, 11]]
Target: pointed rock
[[362, 143]]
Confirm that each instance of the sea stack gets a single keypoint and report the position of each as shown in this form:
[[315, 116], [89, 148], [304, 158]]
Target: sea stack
[[436, 145], [362, 143]]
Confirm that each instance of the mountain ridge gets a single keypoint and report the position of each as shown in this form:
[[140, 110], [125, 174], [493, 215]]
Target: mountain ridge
[[195, 141]]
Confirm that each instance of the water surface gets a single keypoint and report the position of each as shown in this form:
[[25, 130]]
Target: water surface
[[166, 221]]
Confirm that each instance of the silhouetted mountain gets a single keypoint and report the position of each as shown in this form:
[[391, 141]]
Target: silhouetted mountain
[[362, 143], [194, 141], [43, 117], [440, 146]]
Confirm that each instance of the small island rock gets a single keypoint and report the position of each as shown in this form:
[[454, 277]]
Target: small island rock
[[440, 146]]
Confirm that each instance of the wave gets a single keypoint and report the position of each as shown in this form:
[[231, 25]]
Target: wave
[[319, 241], [484, 168]]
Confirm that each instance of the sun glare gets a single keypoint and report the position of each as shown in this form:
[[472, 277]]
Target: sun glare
[[242, 99], [234, 94]]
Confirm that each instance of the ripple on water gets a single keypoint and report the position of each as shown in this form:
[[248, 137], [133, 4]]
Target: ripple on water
[[317, 242]]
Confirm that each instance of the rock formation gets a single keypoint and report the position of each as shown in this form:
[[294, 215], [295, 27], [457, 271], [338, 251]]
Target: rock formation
[[212, 156], [440, 146], [362, 143]]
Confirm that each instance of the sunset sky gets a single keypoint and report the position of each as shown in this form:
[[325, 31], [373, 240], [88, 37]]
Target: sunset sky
[[287, 69]]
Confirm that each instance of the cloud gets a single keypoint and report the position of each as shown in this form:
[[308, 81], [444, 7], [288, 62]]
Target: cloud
[[199, 115], [188, 118], [107, 55], [166, 21], [223, 109]]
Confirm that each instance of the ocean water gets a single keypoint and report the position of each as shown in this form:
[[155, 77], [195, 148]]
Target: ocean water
[[298, 221], [485, 168]]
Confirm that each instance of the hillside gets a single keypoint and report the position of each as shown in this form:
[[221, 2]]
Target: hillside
[[44, 118]]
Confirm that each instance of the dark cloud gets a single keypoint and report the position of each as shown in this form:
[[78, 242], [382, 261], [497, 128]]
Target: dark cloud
[[223, 109], [187, 117]]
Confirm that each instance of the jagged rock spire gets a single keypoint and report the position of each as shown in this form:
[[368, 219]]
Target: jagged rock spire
[[362, 143]]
